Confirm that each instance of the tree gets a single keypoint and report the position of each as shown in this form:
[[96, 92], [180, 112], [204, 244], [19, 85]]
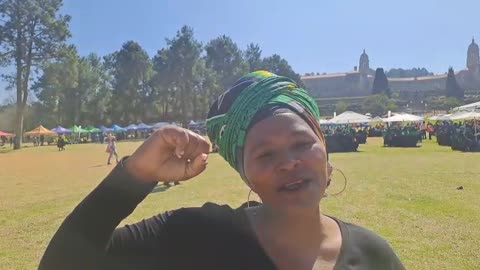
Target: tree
[[276, 64], [162, 82], [380, 83], [131, 69], [452, 87], [378, 105], [73, 90], [31, 33], [225, 58], [57, 88], [408, 73], [179, 69], [341, 107], [95, 82], [450, 103], [253, 56]]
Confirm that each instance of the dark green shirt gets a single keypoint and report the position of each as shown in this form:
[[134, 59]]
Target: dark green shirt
[[208, 237]]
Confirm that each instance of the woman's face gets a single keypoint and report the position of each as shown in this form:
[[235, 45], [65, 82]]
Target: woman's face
[[285, 162]]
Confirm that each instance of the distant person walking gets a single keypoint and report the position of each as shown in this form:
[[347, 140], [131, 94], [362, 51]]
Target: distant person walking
[[431, 131], [111, 148], [61, 143]]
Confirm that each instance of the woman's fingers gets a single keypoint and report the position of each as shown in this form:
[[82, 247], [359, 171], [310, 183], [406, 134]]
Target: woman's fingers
[[172, 153], [196, 166], [198, 145]]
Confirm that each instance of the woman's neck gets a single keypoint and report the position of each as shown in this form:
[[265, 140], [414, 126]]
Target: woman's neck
[[296, 228], [297, 238]]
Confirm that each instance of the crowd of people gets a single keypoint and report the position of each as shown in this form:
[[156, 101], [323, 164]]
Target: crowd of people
[[402, 136], [376, 130], [4, 140], [459, 136], [344, 138]]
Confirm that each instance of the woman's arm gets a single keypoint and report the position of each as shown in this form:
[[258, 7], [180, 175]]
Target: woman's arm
[[82, 239]]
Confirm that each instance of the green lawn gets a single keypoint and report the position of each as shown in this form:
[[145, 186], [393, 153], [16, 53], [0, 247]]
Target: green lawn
[[408, 196]]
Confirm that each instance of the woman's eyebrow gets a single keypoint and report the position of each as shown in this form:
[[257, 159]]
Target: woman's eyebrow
[[298, 132]]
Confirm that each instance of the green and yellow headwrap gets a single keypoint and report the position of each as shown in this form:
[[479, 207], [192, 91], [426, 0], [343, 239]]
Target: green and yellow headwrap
[[231, 114]]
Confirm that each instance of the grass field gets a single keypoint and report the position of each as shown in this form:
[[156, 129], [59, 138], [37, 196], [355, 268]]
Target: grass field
[[408, 196]]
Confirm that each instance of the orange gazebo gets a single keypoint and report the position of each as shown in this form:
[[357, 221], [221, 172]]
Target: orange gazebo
[[39, 131]]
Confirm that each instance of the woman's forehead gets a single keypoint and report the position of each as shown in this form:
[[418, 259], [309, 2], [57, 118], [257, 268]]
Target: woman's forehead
[[285, 124]]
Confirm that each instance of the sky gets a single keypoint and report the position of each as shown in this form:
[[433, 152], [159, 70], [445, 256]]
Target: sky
[[313, 35]]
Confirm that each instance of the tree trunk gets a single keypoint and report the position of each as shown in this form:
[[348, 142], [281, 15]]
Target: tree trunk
[[20, 106], [19, 126], [195, 111]]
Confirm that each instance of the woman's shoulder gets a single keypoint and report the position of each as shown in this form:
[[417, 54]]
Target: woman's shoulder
[[210, 210], [211, 222], [363, 246], [207, 213], [363, 236]]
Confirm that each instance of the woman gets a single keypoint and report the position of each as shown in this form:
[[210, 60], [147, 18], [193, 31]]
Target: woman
[[111, 148], [267, 129]]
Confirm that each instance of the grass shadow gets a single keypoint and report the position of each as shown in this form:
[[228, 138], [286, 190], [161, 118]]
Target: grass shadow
[[6, 150], [97, 166], [160, 188]]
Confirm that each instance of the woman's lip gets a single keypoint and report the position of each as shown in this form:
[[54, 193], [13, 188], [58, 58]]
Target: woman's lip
[[292, 183]]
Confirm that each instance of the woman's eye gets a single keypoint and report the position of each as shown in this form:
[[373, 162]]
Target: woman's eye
[[303, 145], [265, 155]]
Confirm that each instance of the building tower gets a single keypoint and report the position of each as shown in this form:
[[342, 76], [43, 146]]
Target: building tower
[[364, 65], [473, 59]]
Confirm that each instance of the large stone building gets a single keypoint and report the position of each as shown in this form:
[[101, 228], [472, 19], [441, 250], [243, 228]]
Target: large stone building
[[359, 82]]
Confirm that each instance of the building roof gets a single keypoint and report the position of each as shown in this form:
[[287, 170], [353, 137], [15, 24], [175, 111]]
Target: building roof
[[426, 78], [331, 75]]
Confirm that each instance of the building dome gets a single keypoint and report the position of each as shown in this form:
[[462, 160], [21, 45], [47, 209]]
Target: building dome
[[473, 46]]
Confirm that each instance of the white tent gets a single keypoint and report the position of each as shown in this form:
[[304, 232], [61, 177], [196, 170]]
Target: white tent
[[323, 122], [440, 117], [349, 117], [465, 115], [403, 117], [377, 119], [468, 107]]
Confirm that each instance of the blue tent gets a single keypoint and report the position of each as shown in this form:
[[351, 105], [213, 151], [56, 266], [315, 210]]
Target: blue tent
[[117, 128], [61, 130], [143, 127], [105, 129], [159, 125], [132, 127]]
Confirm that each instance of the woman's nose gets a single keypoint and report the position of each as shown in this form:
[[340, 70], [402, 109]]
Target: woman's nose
[[288, 162]]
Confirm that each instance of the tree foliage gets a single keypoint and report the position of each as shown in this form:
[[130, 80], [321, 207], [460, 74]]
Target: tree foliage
[[177, 84], [452, 88], [31, 33], [378, 105], [408, 73], [341, 107], [380, 83]]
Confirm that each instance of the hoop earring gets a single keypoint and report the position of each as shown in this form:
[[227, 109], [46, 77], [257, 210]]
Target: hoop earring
[[248, 198], [344, 184]]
